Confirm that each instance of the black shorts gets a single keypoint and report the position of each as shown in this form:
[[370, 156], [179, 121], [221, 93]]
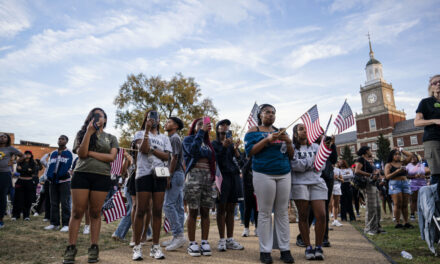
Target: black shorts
[[91, 181], [150, 183], [228, 193]]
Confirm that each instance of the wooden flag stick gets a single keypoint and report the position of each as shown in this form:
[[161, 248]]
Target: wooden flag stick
[[129, 149]]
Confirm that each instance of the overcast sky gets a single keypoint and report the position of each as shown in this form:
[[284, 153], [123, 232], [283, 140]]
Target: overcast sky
[[59, 59]]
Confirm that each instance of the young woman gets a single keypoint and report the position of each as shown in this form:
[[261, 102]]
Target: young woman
[[91, 181], [395, 171], [417, 173], [366, 169], [6, 154], [154, 151], [428, 116], [199, 191], [308, 189], [271, 152], [337, 192], [25, 189], [347, 194]]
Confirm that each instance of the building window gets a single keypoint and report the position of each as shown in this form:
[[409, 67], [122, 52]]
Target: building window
[[414, 140], [341, 150], [352, 149], [372, 123], [373, 146], [400, 142]]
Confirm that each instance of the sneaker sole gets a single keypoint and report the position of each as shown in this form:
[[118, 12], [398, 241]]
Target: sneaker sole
[[138, 259], [236, 248], [194, 254], [175, 247], [93, 260], [68, 261], [208, 254]]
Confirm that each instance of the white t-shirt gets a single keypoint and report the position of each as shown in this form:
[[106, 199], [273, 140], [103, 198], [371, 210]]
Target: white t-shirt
[[337, 172], [347, 174], [147, 162]]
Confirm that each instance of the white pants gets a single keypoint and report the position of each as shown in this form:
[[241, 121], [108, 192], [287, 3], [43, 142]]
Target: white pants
[[273, 193]]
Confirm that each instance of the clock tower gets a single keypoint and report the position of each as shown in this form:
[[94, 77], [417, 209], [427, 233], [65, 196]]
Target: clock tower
[[379, 113]]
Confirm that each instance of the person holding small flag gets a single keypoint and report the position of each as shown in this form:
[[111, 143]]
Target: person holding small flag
[[309, 190], [271, 152]]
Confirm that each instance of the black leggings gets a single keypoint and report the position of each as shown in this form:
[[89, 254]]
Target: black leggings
[[347, 202], [25, 191], [250, 203]]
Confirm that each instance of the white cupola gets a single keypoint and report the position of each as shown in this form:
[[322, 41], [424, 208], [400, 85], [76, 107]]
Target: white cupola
[[373, 69]]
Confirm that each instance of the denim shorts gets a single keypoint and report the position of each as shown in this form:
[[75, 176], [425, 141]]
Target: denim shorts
[[399, 186]]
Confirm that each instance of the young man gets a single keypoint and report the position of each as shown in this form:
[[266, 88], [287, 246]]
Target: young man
[[227, 153], [173, 206], [58, 174]]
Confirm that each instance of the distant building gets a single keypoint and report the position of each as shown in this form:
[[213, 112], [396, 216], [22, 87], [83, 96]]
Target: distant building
[[380, 116], [38, 149]]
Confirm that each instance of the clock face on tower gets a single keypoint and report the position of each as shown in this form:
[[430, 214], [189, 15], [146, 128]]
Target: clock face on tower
[[372, 97]]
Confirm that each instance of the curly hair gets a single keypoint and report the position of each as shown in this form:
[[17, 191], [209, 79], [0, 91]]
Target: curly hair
[[82, 132]]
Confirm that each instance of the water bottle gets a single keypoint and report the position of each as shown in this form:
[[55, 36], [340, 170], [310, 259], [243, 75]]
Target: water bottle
[[406, 255]]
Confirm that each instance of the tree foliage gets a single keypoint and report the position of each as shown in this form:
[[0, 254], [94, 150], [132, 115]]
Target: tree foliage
[[383, 148], [347, 155], [179, 97]]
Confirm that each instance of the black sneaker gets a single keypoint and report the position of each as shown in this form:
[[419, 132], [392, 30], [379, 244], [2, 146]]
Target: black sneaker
[[319, 254], [310, 253], [326, 243], [398, 226], [408, 225], [93, 253], [69, 254], [286, 256], [300, 242], [265, 258]]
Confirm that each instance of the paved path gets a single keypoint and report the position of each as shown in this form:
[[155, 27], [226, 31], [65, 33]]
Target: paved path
[[348, 246]]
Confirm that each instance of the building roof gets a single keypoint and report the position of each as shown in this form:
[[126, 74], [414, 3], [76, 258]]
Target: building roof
[[373, 61], [405, 126], [349, 137]]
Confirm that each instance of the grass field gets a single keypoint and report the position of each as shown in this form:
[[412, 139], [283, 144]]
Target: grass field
[[28, 242], [396, 240]]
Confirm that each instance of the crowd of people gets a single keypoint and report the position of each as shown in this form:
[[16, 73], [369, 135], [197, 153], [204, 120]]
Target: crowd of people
[[163, 175]]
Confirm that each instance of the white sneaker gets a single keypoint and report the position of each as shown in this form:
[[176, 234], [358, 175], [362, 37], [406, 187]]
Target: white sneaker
[[168, 242], [50, 227], [338, 223], [27, 219], [194, 250], [178, 242], [245, 232], [232, 244], [13, 219], [221, 245], [137, 252], [205, 249], [64, 229], [156, 252], [371, 233], [36, 214], [86, 230], [45, 220]]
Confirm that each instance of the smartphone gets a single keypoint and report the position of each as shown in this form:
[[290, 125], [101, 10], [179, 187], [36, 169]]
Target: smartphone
[[96, 117], [153, 115], [229, 134], [206, 120]]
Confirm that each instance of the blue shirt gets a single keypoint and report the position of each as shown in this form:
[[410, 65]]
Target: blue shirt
[[272, 159]]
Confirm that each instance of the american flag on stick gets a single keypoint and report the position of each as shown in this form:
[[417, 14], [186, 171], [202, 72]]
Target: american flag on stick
[[252, 119], [311, 122], [116, 165], [166, 225], [114, 208], [345, 118], [323, 151]]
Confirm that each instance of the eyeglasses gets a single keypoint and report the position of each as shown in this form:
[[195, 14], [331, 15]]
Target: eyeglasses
[[435, 83]]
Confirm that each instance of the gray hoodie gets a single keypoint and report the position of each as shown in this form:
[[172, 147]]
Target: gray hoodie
[[303, 171]]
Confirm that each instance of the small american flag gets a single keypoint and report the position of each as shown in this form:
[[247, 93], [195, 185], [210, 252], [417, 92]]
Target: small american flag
[[116, 165], [323, 151], [253, 119], [345, 118], [114, 208], [166, 225], [311, 121]]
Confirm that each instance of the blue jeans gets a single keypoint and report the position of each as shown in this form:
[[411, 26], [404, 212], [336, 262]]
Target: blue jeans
[[173, 206], [125, 223]]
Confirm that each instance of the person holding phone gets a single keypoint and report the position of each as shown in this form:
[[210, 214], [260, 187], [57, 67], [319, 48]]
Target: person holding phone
[[91, 181], [395, 172], [25, 189], [199, 191], [227, 155], [271, 152], [154, 152]]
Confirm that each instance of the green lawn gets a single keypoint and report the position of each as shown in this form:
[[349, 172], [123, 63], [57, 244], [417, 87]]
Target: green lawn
[[396, 240]]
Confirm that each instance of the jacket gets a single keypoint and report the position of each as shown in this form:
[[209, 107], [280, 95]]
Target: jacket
[[27, 168], [54, 174], [193, 151]]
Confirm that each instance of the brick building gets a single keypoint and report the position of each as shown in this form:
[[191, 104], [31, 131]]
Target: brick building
[[380, 116], [38, 149]]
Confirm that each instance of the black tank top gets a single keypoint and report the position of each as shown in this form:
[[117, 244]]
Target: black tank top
[[393, 169]]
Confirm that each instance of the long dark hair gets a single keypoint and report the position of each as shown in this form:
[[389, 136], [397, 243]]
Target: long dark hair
[[295, 139], [82, 132], [391, 155], [8, 143]]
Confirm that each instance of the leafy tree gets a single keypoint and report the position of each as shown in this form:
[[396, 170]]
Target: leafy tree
[[179, 97], [347, 155], [383, 148]]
